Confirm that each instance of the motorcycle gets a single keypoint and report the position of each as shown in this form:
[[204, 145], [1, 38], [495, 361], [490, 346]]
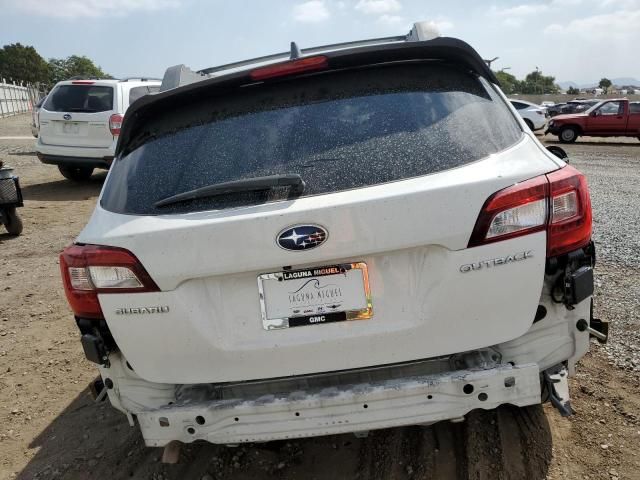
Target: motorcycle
[[10, 200]]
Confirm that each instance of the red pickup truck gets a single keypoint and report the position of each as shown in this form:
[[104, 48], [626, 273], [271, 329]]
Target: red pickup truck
[[609, 118]]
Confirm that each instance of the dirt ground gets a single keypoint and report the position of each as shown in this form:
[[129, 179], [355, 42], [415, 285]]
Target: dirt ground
[[50, 428]]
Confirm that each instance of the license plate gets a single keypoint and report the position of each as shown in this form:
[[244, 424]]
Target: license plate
[[327, 294], [70, 128]]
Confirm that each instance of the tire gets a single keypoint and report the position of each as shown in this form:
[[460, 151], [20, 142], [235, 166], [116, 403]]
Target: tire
[[13, 222], [77, 174], [529, 124], [568, 135]]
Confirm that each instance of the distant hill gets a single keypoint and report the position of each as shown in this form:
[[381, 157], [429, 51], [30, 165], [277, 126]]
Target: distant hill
[[567, 85], [626, 81]]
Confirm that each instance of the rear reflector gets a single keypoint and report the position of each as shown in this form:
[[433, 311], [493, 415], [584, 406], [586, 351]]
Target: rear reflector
[[88, 270], [557, 202], [301, 65], [115, 123]]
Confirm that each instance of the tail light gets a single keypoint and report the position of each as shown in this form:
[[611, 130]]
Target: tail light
[[557, 202], [115, 123], [570, 215], [301, 65], [88, 270]]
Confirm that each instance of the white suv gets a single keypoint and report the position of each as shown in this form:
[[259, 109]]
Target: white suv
[[360, 237], [80, 121]]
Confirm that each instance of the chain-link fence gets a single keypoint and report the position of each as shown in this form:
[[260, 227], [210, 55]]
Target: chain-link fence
[[17, 98]]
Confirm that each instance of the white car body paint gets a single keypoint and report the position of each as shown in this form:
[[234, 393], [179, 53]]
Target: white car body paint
[[195, 363]]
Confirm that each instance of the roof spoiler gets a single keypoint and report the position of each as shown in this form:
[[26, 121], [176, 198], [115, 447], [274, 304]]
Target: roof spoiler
[[180, 75], [181, 85]]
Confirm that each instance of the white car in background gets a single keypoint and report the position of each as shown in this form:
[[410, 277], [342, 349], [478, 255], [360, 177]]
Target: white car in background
[[533, 115], [35, 117], [80, 121]]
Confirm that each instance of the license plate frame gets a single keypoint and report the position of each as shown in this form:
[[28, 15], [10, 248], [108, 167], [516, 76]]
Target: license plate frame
[[332, 313]]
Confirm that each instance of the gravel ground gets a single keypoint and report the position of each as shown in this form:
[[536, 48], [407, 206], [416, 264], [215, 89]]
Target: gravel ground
[[614, 180], [612, 167], [51, 429]]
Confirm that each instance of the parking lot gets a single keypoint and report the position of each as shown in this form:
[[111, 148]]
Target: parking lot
[[51, 428]]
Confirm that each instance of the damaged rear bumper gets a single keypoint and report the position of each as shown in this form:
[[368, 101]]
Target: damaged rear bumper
[[351, 408]]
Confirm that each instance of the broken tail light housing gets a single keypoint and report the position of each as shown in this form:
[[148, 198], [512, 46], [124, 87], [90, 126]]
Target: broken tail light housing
[[557, 202], [89, 270]]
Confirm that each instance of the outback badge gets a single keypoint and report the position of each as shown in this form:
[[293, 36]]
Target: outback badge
[[302, 237]]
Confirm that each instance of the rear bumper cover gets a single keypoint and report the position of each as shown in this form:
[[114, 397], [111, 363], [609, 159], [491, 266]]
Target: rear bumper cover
[[410, 401], [96, 157], [66, 161]]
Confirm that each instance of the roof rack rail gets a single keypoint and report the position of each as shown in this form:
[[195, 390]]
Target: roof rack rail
[[179, 75]]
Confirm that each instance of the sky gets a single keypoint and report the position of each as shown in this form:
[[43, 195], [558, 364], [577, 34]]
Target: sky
[[577, 40]]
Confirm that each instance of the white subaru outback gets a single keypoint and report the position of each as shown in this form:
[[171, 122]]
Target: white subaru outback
[[79, 122], [358, 237]]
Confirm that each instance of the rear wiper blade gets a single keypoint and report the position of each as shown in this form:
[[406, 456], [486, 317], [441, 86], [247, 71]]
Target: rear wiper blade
[[294, 181]]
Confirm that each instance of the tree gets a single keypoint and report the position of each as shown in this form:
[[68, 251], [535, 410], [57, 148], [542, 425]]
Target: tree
[[573, 91], [536, 83], [605, 84], [57, 70], [21, 63], [509, 83], [73, 66]]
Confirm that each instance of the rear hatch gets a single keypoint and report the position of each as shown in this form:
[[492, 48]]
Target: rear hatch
[[76, 114], [369, 266]]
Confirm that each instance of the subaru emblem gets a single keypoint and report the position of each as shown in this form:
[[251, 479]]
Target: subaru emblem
[[67, 116], [302, 237]]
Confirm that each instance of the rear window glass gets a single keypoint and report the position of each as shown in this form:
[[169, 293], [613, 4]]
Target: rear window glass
[[338, 131], [136, 92], [634, 107], [80, 98]]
